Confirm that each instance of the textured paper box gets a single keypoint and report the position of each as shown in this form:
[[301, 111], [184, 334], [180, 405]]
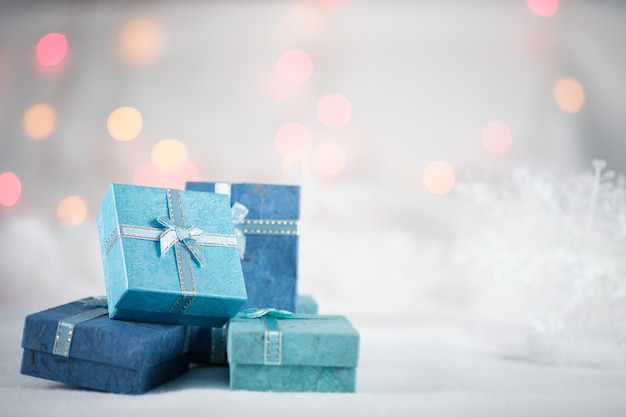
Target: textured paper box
[[270, 263], [104, 354], [303, 353], [208, 344], [158, 278]]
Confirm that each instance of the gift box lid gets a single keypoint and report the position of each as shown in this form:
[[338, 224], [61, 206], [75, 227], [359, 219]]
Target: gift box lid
[[118, 343], [306, 340], [172, 283]]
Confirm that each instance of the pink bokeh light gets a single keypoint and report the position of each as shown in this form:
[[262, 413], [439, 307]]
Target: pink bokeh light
[[51, 49], [294, 66], [10, 189], [544, 8], [334, 110], [148, 175]]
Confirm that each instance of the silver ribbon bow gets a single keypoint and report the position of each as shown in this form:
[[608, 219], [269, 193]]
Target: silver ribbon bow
[[239, 212], [255, 313], [174, 233]]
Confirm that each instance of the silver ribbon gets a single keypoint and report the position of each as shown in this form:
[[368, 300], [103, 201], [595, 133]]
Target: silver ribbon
[[65, 327], [245, 226], [273, 336]]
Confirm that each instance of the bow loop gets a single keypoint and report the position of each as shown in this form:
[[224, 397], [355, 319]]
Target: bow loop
[[175, 233], [239, 213], [254, 313]]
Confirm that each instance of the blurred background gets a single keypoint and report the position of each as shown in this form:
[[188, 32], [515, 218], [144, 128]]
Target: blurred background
[[380, 110]]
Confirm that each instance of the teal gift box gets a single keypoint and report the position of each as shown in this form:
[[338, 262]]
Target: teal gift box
[[170, 256], [300, 353], [306, 304]]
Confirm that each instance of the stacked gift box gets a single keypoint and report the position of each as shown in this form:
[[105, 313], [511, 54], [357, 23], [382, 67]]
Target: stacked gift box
[[207, 275]]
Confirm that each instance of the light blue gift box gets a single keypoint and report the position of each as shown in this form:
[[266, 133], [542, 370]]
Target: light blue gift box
[[170, 256], [306, 304], [301, 353]]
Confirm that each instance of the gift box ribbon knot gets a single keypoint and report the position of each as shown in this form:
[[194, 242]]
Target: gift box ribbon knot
[[186, 242]]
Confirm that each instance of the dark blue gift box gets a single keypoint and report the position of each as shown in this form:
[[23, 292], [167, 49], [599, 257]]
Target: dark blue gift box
[[78, 344], [207, 345], [270, 261]]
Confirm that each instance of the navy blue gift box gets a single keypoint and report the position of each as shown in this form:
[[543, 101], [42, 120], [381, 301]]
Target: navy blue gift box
[[267, 218], [78, 344]]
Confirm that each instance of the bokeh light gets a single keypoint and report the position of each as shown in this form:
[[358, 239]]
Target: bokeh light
[[438, 177], [10, 189], [124, 123], [569, 95], [334, 110], [169, 155], [51, 49], [72, 211], [140, 42], [293, 140], [543, 8], [497, 137], [39, 121], [147, 175], [329, 159], [294, 66]]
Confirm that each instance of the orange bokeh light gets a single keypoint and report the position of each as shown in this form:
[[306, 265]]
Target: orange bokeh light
[[39, 121], [329, 159], [569, 95], [140, 42], [497, 137], [72, 211], [334, 110], [169, 155], [124, 123], [51, 49], [438, 177], [544, 8], [294, 66], [10, 189]]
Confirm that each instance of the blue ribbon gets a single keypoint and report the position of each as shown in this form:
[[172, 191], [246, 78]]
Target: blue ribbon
[[253, 313], [97, 301], [273, 336], [182, 235]]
